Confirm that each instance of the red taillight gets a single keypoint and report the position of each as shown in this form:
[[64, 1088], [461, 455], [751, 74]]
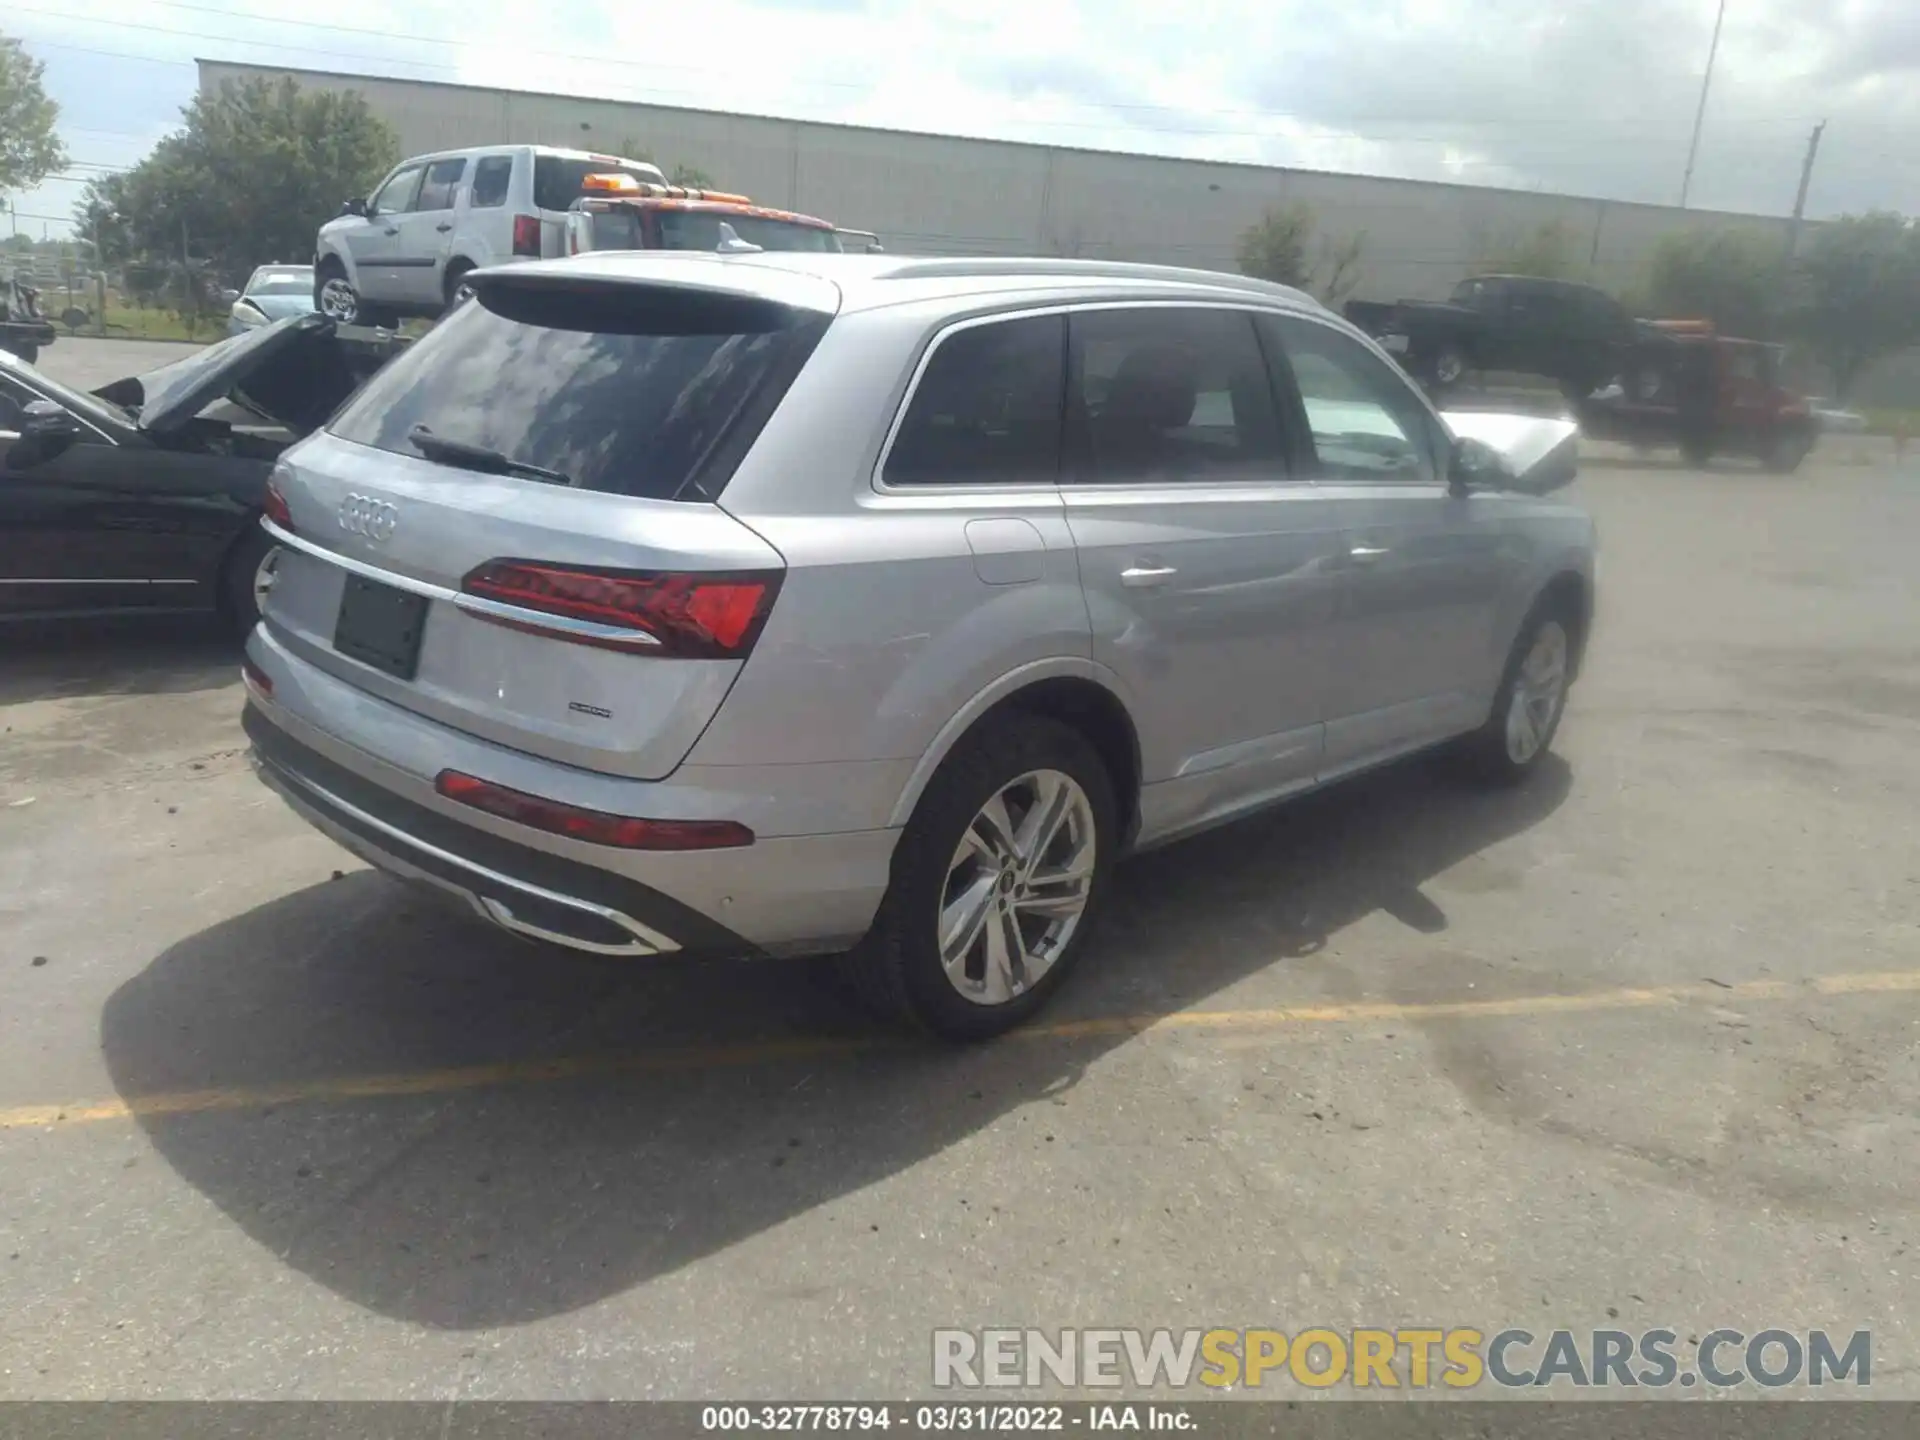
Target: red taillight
[[526, 234], [593, 826], [704, 617], [256, 677], [274, 507]]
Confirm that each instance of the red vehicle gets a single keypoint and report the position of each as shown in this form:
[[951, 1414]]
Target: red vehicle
[[618, 212], [1682, 383]]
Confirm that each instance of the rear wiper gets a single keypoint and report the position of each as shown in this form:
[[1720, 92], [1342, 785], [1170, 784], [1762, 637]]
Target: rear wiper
[[480, 457]]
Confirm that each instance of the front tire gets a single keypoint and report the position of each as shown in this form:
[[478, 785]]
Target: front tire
[[996, 883], [1532, 698]]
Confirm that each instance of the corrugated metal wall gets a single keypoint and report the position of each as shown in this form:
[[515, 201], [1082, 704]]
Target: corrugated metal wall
[[934, 194]]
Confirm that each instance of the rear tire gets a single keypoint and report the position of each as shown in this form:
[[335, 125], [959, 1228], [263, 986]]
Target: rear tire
[[335, 298], [1530, 702], [1784, 455], [1447, 367], [457, 291], [245, 579], [1015, 920]]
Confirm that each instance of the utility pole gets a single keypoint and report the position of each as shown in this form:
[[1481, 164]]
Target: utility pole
[[1700, 115], [99, 280], [1800, 198]]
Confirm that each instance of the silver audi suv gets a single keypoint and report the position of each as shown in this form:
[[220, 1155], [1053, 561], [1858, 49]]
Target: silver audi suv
[[793, 604]]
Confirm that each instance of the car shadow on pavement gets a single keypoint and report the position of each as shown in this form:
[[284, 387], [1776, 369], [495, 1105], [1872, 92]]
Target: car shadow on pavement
[[125, 655], [650, 1115]]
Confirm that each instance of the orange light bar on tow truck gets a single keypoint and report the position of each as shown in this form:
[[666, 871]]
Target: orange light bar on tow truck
[[620, 184]]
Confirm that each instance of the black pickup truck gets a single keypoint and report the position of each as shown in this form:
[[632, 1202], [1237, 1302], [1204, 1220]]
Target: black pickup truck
[[1572, 334], [24, 329]]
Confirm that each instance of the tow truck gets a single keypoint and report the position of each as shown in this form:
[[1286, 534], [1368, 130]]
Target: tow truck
[[620, 212], [1683, 383]]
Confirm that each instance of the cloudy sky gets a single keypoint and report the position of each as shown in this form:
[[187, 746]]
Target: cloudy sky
[[1593, 97]]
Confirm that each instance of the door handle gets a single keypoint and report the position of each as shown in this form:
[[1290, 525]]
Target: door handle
[[1141, 577], [393, 230], [444, 226], [1365, 554]]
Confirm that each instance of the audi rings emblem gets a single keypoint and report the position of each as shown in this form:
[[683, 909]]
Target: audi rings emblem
[[363, 515]]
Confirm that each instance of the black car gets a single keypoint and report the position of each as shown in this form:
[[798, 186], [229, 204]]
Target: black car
[[1567, 332], [136, 498]]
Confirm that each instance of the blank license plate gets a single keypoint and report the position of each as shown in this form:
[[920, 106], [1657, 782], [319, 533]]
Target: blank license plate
[[381, 626]]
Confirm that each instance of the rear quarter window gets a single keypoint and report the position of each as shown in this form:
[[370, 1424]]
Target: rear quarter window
[[618, 388], [988, 408]]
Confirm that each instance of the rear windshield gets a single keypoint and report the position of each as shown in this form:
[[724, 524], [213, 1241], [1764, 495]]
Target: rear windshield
[[556, 179], [700, 230], [616, 388], [614, 230], [282, 282]]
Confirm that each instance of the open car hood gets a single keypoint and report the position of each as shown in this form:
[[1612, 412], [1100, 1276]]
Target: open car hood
[[293, 373]]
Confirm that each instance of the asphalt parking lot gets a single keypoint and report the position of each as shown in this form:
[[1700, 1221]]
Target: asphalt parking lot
[[1633, 1046]]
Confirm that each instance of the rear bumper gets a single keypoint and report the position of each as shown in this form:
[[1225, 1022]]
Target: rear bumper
[[787, 895]]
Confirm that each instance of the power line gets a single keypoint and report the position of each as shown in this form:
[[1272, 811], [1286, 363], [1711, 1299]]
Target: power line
[[415, 38], [1335, 130]]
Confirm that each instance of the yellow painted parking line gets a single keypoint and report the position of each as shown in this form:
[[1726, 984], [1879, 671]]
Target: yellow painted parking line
[[769, 1052]]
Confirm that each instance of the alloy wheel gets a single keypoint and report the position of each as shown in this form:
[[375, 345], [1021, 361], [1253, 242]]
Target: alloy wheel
[[1539, 690], [264, 575], [1017, 887], [338, 302]]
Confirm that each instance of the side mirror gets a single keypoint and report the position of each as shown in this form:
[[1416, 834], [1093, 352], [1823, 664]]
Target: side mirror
[[1528, 453], [1476, 465], [46, 429], [355, 206], [229, 295]]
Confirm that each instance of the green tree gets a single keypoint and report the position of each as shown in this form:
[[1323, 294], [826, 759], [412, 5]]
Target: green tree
[[30, 150], [1284, 246], [254, 171], [1549, 251], [1738, 281], [1859, 293]]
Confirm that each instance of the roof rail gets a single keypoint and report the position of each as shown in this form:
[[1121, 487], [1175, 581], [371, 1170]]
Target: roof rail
[[987, 265]]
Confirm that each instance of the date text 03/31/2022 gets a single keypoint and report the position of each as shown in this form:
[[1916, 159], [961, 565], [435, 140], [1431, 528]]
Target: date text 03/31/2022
[[933, 1419]]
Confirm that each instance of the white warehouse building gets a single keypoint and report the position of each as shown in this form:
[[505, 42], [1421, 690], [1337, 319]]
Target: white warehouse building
[[933, 194]]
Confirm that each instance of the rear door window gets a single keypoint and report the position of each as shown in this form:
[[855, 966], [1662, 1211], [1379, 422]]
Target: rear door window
[[614, 388], [1164, 394], [987, 409], [491, 174]]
